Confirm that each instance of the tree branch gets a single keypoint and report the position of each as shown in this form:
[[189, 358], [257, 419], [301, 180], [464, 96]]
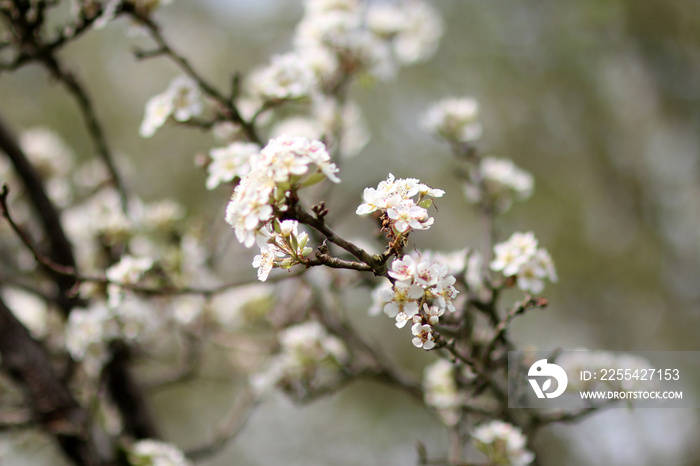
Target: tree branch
[[51, 402], [60, 248]]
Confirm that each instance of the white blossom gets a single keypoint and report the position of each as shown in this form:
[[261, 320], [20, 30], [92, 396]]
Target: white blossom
[[503, 443], [500, 182], [402, 298], [441, 390], [86, 334], [395, 198], [403, 269], [186, 97], [288, 76], [455, 119], [418, 36], [229, 162], [309, 356], [182, 100], [128, 270], [158, 109], [155, 453], [285, 163], [423, 336], [520, 257], [282, 246]]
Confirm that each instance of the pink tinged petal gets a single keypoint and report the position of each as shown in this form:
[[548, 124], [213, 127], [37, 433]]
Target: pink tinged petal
[[429, 344]]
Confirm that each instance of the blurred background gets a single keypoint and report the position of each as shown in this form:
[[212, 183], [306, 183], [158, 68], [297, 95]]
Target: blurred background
[[599, 100]]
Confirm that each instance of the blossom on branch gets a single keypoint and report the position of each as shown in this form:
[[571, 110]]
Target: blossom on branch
[[309, 358], [455, 119], [150, 452], [286, 164], [182, 100], [520, 257], [503, 443], [498, 182], [229, 162], [282, 246]]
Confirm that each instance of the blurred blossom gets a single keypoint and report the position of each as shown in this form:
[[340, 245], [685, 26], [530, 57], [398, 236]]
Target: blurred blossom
[[287, 77], [155, 453], [519, 257], [455, 119], [498, 182], [441, 391], [229, 162], [309, 358], [182, 100], [503, 443]]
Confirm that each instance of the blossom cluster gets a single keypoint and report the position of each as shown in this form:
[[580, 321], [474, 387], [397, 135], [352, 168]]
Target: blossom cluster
[[520, 257], [309, 357], [230, 162], [503, 443], [283, 247], [89, 330], [182, 100], [421, 293], [284, 165], [441, 392], [394, 198], [151, 452], [498, 182], [454, 119], [573, 362]]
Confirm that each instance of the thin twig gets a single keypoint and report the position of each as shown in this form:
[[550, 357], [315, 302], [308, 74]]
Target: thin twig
[[230, 427], [227, 103], [76, 89]]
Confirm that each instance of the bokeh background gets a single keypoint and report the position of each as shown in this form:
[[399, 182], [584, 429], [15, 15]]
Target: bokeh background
[[600, 100]]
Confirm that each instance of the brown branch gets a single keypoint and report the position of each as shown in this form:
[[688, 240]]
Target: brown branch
[[76, 89], [500, 330], [377, 262], [52, 404], [128, 396], [227, 103], [60, 248]]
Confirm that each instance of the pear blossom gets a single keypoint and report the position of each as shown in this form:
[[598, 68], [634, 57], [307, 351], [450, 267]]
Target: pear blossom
[[86, 332], [511, 255], [182, 100], [283, 246], [288, 76], [128, 270], [403, 269], [441, 391], [423, 336], [186, 97], [155, 453], [414, 29], [309, 357], [500, 182], [503, 443], [420, 281], [285, 163], [229, 162], [402, 298], [520, 257], [433, 313], [395, 198], [455, 119]]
